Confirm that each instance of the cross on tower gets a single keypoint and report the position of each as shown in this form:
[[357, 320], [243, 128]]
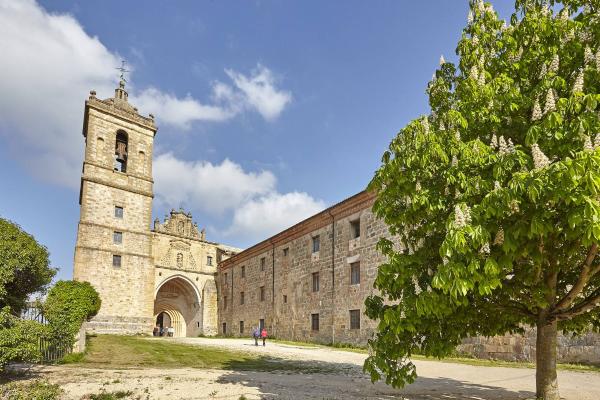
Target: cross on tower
[[123, 70]]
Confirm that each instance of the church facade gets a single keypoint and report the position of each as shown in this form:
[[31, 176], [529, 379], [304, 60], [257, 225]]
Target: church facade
[[146, 277]]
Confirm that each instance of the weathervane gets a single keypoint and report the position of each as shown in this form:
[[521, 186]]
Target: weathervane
[[123, 70]]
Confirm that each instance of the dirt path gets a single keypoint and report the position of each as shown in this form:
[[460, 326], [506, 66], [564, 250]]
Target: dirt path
[[341, 378]]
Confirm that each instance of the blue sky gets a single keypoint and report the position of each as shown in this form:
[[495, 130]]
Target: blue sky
[[268, 111]]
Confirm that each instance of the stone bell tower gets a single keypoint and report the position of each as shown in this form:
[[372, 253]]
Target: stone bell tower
[[114, 243]]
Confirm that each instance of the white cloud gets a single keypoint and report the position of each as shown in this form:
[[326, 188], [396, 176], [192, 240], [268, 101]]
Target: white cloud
[[48, 66], [178, 112], [259, 92], [212, 188], [270, 214], [258, 209]]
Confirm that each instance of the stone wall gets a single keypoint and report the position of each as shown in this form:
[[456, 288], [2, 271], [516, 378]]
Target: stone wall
[[283, 267], [584, 349], [126, 291]]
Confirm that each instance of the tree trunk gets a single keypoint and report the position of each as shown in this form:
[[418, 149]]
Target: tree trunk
[[546, 383]]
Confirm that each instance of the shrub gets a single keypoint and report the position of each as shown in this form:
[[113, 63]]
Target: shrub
[[68, 305], [19, 339], [38, 390]]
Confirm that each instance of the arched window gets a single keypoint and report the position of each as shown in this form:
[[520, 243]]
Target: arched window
[[142, 161], [100, 149], [121, 152]]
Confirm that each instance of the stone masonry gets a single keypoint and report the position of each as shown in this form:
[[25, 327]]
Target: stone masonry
[[139, 273]]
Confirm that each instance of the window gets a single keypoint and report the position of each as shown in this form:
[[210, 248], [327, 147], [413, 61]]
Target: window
[[355, 273], [315, 282], [285, 298], [118, 212], [241, 297], [316, 244], [262, 264], [209, 261], [354, 319], [243, 271], [142, 161], [355, 229], [116, 261], [262, 293], [117, 237], [314, 322], [121, 152], [224, 328], [224, 302], [241, 326], [286, 251]]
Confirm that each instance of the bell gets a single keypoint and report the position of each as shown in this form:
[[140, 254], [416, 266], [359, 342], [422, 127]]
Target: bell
[[121, 151]]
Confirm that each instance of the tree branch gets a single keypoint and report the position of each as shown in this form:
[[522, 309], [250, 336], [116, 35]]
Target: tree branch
[[585, 306], [582, 280]]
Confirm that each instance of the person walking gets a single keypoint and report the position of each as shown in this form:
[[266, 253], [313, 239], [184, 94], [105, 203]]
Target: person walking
[[263, 335], [256, 335]]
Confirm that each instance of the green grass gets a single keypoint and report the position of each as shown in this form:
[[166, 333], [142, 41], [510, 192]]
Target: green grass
[[115, 352], [38, 389]]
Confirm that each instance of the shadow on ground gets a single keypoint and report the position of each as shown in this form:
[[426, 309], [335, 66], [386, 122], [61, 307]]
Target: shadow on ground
[[323, 380]]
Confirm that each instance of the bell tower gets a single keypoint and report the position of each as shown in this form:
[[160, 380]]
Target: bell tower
[[114, 243]]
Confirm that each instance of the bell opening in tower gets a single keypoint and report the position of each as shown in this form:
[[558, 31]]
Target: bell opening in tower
[[121, 152]]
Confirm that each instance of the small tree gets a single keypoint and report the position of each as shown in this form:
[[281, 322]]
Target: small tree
[[19, 339], [68, 305], [495, 195], [24, 266]]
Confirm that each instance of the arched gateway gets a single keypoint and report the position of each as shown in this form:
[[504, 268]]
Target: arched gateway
[[178, 298]]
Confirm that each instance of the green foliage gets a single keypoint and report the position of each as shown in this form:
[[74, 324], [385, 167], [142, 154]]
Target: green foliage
[[19, 339], [69, 304], [494, 196], [24, 266], [38, 390]]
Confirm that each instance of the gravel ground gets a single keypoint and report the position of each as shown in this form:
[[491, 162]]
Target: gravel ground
[[342, 378]]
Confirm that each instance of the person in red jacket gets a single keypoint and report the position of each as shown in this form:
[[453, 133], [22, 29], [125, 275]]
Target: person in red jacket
[[263, 335]]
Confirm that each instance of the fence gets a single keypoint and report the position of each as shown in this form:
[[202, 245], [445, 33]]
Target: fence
[[52, 351]]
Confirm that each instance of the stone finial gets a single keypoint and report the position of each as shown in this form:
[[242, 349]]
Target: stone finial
[[151, 116], [92, 94]]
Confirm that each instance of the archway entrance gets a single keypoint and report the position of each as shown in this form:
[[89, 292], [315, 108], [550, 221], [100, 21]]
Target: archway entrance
[[177, 306]]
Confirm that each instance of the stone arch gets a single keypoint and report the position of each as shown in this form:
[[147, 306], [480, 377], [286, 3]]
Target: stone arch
[[209, 308], [180, 299]]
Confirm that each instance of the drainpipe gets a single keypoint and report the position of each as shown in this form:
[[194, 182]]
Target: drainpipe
[[332, 277], [273, 287]]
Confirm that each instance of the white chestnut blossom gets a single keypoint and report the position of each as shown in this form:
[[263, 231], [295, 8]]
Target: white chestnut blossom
[[585, 36], [578, 84], [499, 239], [425, 125], [546, 10], [536, 114], [539, 158], [473, 73], [597, 58], [554, 64], [587, 143], [470, 17], [459, 218], [588, 56], [481, 78], [496, 185], [457, 136], [494, 141], [511, 146], [418, 186], [550, 102], [485, 249], [514, 206], [563, 15], [543, 71], [454, 161], [442, 60], [597, 141], [442, 126], [502, 146]]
